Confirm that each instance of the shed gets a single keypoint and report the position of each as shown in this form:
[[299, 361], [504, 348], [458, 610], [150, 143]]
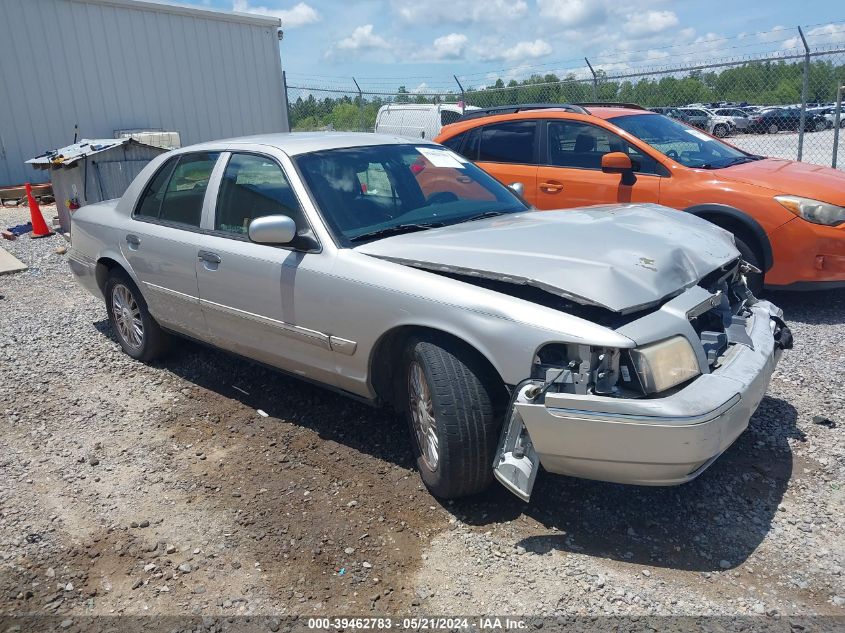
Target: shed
[[93, 170], [115, 65]]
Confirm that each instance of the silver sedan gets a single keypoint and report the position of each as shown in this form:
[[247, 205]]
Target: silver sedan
[[616, 343]]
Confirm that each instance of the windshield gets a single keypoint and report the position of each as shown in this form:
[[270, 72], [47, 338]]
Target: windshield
[[681, 143], [369, 192]]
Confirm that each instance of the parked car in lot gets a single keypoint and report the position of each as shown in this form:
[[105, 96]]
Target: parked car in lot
[[788, 218], [829, 114], [737, 117], [674, 113], [697, 117], [774, 120], [616, 343], [720, 126]]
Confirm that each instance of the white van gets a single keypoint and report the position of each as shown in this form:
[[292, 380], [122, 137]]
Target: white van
[[417, 120]]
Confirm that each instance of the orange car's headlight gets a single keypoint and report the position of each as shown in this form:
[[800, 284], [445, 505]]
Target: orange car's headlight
[[813, 210]]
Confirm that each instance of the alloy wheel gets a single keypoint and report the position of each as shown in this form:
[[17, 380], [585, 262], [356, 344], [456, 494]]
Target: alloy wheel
[[127, 316], [422, 416]]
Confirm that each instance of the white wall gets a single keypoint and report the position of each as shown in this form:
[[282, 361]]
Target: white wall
[[125, 64]]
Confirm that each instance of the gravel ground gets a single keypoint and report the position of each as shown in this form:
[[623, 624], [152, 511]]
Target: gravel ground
[[160, 489]]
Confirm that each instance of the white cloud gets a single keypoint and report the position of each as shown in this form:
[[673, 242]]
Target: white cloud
[[464, 12], [451, 46], [518, 52], [363, 39], [819, 36], [572, 13], [298, 15], [649, 22]]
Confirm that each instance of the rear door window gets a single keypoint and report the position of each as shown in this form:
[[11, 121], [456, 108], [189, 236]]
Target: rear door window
[[511, 142], [150, 204], [183, 197]]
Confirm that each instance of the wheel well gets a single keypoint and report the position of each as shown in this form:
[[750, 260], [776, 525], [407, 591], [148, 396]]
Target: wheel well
[[387, 354], [104, 266], [739, 229], [741, 225]]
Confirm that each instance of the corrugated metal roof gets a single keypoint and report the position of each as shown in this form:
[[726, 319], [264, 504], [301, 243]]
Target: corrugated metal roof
[[182, 9], [65, 156]]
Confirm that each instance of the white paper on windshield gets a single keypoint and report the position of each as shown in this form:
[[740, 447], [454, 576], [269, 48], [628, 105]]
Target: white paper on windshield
[[699, 135], [440, 157]]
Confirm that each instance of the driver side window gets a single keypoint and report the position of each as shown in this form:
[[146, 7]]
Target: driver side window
[[581, 145], [254, 186]]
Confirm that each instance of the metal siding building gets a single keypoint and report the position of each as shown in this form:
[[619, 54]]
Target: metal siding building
[[111, 65]]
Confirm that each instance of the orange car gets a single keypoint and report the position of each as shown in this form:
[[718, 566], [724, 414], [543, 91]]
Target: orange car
[[788, 218]]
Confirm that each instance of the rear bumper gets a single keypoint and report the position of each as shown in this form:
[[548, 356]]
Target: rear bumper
[[85, 272], [655, 441]]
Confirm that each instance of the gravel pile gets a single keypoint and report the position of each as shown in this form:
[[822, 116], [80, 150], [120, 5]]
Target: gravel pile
[[139, 489]]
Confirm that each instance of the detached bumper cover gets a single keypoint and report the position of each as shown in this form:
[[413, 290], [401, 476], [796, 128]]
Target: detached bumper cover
[[653, 442]]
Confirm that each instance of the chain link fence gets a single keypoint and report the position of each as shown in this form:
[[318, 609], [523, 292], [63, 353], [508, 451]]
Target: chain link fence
[[781, 106]]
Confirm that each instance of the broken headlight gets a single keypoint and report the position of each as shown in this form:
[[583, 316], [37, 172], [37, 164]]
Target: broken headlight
[[663, 365]]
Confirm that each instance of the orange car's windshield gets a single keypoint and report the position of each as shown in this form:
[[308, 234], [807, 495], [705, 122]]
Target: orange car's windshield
[[681, 143]]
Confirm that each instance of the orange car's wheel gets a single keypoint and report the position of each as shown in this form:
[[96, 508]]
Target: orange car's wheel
[[754, 280]]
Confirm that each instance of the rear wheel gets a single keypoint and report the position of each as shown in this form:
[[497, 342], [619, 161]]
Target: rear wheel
[[820, 125], [137, 332], [449, 401]]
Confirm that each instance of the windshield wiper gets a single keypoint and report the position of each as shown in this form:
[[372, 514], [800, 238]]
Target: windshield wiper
[[739, 160], [397, 229], [481, 216]]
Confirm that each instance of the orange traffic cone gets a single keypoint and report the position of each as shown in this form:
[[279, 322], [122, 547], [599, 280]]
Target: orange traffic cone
[[39, 226]]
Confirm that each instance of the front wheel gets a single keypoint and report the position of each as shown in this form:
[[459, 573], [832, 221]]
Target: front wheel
[[773, 128], [449, 402], [754, 280], [137, 332], [720, 131]]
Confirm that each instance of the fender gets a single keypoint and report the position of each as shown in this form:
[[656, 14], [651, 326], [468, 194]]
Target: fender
[[715, 211]]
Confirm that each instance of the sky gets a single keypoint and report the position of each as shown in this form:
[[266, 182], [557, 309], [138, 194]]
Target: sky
[[422, 43]]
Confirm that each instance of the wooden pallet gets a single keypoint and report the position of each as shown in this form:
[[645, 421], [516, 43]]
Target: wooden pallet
[[14, 196]]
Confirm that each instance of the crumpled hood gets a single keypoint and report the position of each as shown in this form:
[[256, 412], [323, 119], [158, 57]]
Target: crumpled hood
[[621, 257], [790, 177]]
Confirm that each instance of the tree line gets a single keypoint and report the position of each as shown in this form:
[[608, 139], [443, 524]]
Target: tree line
[[761, 83]]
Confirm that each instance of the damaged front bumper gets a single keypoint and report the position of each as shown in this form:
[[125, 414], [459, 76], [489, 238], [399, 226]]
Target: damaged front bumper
[[660, 441]]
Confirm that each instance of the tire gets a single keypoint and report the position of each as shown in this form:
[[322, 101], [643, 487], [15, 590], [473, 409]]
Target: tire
[[754, 280], [720, 131], [773, 128], [820, 125], [137, 332], [448, 400]]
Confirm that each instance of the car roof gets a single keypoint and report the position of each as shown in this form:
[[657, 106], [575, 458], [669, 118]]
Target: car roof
[[595, 112], [295, 143]]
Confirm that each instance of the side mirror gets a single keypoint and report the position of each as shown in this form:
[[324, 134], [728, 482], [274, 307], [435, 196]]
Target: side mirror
[[616, 163], [518, 188], [619, 163], [272, 229]]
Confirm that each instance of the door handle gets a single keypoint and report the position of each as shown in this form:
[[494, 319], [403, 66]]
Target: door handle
[[208, 256], [551, 186], [133, 240]]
